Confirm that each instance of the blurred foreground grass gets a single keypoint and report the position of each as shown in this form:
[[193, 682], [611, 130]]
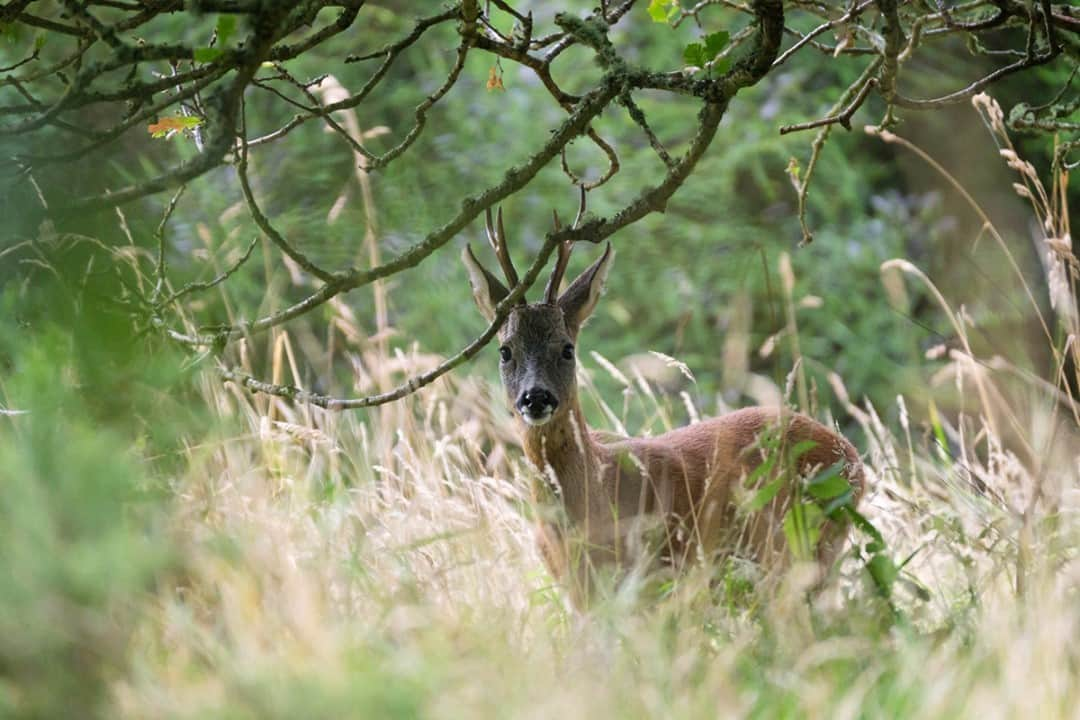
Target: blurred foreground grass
[[275, 561]]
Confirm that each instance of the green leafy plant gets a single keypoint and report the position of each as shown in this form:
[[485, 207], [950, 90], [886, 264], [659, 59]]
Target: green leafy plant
[[704, 54], [823, 497]]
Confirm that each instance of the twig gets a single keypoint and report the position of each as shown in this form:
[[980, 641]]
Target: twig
[[318, 110], [605, 147], [264, 224], [28, 59], [421, 111], [514, 179], [819, 143], [414, 383], [391, 50], [159, 235], [843, 118], [201, 286], [975, 87], [851, 14], [638, 116]]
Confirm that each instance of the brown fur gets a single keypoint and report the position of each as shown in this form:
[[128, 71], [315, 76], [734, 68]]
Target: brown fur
[[687, 481]]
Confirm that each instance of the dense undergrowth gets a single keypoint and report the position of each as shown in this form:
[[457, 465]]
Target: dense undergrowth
[[175, 547]]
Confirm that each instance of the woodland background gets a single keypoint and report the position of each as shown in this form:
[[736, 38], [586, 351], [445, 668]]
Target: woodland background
[[172, 544]]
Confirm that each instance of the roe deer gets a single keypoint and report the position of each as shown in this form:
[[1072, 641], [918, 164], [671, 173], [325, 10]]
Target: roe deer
[[688, 483]]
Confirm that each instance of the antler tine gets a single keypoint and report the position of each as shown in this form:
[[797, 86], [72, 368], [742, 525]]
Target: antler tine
[[497, 238], [503, 253], [581, 207], [489, 228], [551, 292]]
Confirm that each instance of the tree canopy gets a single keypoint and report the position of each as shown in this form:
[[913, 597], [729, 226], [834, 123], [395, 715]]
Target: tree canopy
[[84, 80]]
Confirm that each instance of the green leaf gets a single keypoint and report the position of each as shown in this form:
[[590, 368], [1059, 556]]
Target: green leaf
[[764, 468], [9, 31], [800, 448], [829, 483], [763, 496], [715, 42], [701, 54], [226, 26], [223, 31], [802, 528], [39, 41], [793, 169], [207, 54], [662, 11], [939, 435], [840, 501], [883, 571], [860, 520], [694, 54]]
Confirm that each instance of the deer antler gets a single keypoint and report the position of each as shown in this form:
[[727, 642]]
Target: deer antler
[[497, 238], [551, 292]]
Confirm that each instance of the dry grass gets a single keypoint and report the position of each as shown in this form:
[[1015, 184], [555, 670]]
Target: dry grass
[[382, 564], [340, 569]]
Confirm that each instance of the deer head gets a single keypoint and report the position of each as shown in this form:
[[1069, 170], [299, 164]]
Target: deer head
[[536, 342]]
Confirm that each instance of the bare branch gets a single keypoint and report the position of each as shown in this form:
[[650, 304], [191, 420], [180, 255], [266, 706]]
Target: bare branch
[[201, 286], [517, 294], [159, 235], [846, 17], [855, 88], [843, 118], [264, 224]]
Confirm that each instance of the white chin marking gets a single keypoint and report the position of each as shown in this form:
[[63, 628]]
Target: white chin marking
[[536, 422]]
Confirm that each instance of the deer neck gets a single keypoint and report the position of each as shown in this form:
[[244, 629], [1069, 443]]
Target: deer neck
[[564, 448]]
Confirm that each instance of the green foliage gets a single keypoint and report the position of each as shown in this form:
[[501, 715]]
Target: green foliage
[[701, 54], [828, 484], [226, 26], [98, 418], [802, 529], [79, 539], [826, 496], [663, 11]]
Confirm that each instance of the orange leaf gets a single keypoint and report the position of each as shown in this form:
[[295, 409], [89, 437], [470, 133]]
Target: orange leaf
[[495, 81], [168, 126]]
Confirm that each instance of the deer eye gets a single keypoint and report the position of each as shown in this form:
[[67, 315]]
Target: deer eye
[[568, 352], [505, 354]]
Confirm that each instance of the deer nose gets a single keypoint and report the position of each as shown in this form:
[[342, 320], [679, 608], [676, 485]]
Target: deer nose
[[537, 403]]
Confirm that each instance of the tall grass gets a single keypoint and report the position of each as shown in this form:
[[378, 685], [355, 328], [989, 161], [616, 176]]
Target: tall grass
[[383, 564]]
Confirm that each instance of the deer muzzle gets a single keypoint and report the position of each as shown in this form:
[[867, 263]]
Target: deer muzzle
[[537, 405]]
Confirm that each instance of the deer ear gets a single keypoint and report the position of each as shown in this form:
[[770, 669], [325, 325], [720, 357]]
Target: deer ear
[[580, 299], [486, 288]]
